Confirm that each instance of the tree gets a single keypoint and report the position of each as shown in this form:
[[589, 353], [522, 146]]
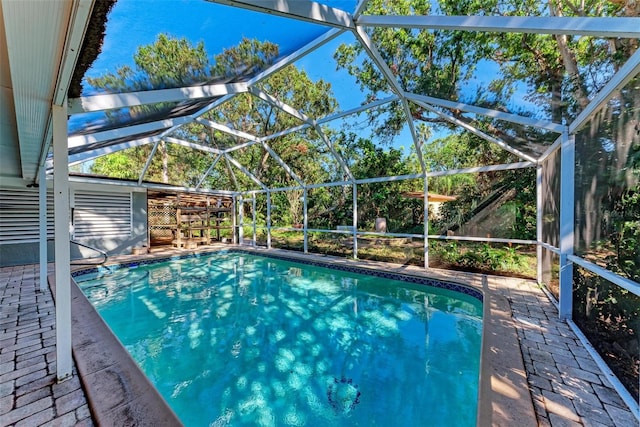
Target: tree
[[366, 160], [166, 63], [558, 74], [254, 116], [171, 62]]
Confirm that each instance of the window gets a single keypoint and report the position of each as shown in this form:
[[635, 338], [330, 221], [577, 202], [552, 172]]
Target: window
[[102, 214], [19, 215]]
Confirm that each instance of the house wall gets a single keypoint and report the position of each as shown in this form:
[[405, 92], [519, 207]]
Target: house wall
[[23, 253], [13, 251], [19, 222], [114, 244]]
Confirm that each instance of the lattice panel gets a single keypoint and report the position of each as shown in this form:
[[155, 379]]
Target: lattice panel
[[162, 220]]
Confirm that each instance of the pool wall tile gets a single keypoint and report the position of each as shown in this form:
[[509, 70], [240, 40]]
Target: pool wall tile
[[456, 287]]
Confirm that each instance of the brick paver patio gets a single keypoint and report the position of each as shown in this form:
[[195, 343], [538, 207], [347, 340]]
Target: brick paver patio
[[567, 387], [29, 392]]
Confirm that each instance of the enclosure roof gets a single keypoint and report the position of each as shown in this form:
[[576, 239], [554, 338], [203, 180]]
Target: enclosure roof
[[143, 113]]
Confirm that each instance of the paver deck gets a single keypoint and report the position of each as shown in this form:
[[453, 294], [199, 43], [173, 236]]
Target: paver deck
[[29, 392], [567, 387]]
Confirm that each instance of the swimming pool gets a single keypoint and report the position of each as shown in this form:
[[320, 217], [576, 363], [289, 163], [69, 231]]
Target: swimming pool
[[232, 338]]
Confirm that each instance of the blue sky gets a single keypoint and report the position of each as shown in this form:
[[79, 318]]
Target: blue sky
[[138, 22], [133, 23]]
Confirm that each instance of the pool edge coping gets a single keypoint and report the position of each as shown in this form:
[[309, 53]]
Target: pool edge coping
[[504, 397], [116, 389]]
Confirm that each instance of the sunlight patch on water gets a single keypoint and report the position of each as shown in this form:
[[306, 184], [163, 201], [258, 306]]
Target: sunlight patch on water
[[293, 417], [306, 337], [241, 383], [279, 335], [179, 388], [294, 381], [152, 307], [237, 339]]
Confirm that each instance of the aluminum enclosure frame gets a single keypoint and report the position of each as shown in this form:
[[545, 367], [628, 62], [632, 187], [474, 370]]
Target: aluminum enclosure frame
[[339, 22]]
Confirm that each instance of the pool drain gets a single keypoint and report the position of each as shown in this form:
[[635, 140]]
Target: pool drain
[[343, 395]]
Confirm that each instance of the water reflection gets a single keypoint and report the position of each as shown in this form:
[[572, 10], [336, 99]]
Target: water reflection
[[235, 339]]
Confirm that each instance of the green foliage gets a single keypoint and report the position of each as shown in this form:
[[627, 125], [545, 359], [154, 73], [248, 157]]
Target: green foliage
[[610, 318], [524, 203], [626, 239], [280, 210], [329, 207], [119, 164], [479, 257], [366, 160], [168, 62], [596, 299], [249, 56], [175, 164], [557, 73], [477, 193], [249, 114], [461, 150], [172, 62]]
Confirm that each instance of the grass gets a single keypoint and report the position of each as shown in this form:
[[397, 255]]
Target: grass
[[467, 256]]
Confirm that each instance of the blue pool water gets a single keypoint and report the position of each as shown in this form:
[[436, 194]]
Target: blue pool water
[[236, 339]]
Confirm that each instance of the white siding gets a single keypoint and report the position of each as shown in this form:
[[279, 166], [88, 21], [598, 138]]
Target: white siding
[[19, 217], [101, 214]]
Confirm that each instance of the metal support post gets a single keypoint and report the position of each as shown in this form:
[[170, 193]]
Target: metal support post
[[253, 212], [240, 221], [234, 238], [268, 220], [62, 245], [355, 220], [305, 221], [567, 183], [42, 198], [426, 221], [539, 222]]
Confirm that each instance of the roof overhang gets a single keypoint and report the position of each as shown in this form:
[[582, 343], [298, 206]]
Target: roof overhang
[[39, 47]]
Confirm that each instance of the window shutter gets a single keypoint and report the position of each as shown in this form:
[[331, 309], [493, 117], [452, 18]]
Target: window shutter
[[20, 217], [102, 214]]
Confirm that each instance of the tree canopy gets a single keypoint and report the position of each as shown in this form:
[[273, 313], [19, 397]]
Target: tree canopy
[[542, 76], [171, 62]]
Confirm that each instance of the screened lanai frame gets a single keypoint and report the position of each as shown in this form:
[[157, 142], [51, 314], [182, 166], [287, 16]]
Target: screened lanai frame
[[87, 146]]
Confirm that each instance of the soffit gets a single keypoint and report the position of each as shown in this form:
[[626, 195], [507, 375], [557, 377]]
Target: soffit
[[35, 34], [10, 158]]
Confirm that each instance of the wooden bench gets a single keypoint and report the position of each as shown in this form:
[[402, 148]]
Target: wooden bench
[[186, 243]]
